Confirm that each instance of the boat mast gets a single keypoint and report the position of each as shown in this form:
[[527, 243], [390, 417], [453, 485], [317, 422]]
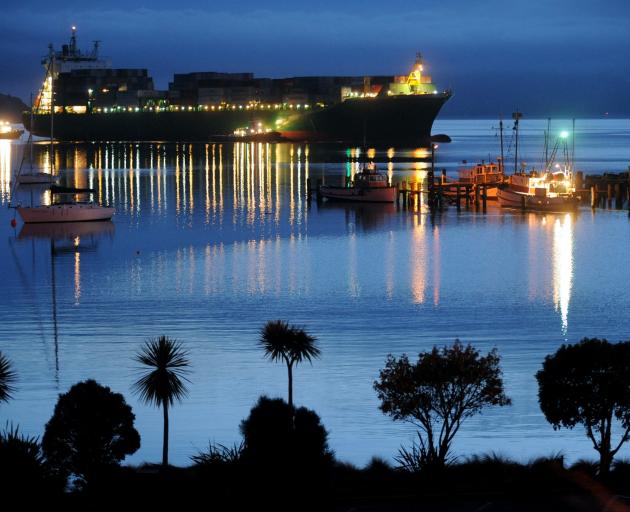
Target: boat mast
[[572, 145], [30, 136], [547, 133], [516, 116], [501, 137], [51, 74]]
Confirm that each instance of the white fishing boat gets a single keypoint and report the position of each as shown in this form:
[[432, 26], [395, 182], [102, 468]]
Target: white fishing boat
[[546, 192], [368, 186], [550, 190]]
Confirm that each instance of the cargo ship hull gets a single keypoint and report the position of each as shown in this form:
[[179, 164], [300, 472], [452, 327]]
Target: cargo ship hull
[[388, 119]]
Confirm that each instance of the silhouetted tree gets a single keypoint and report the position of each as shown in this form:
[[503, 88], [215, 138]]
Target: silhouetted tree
[[271, 442], [7, 378], [90, 432], [23, 468], [288, 343], [164, 383], [589, 384], [436, 394]]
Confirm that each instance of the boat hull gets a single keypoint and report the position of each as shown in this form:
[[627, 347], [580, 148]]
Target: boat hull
[[358, 195], [11, 135], [400, 120], [511, 199], [36, 179], [65, 213]]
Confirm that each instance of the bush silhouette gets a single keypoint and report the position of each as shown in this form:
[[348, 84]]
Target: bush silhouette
[[90, 432], [272, 442], [22, 466]]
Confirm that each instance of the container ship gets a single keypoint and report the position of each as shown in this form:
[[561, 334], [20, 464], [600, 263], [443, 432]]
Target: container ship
[[92, 101]]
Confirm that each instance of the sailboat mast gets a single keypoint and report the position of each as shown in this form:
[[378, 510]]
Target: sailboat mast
[[30, 136]]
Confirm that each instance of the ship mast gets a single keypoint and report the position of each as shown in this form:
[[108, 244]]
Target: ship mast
[[52, 107]]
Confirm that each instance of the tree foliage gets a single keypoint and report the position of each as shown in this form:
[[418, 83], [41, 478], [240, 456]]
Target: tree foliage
[[163, 384], [91, 431], [588, 384], [438, 392], [7, 378], [290, 344], [168, 363]]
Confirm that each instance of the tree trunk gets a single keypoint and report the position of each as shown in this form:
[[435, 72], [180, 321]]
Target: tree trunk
[[605, 460], [290, 368], [165, 442]]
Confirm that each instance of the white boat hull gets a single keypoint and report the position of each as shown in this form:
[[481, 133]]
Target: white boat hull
[[359, 194], [511, 199], [65, 213]]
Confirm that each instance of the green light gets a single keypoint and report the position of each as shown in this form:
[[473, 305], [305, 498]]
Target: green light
[[564, 134]]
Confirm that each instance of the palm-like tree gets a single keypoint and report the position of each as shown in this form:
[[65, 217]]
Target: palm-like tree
[[288, 343], [163, 384], [7, 378]]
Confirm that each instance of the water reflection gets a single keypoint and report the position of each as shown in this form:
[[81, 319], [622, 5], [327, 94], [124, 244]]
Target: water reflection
[[563, 266], [5, 170], [60, 240], [257, 192], [550, 240]]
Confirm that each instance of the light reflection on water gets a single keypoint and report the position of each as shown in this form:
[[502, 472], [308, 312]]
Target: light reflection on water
[[209, 241]]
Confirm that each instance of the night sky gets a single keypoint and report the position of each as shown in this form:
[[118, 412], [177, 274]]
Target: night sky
[[549, 58]]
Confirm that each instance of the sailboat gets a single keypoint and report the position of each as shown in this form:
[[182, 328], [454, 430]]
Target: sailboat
[[62, 211]]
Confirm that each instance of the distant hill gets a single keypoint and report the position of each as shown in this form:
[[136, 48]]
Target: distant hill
[[11, 108]]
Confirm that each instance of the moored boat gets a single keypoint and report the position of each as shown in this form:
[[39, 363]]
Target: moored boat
[[368, 186], [546, 192], [488, 174], [65, 212]]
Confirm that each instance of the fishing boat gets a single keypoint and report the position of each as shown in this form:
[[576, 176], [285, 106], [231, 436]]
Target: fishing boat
[[550, 190], [368, 186], [546, 192], [488, 174]]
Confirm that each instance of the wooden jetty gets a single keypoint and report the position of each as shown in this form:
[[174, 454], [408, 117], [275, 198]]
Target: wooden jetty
[[608, 190]]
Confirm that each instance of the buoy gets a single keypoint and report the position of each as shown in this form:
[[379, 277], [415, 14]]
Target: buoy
[[13, 223]]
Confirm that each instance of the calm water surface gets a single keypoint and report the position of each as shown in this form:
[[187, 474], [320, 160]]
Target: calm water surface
[[209, 242]]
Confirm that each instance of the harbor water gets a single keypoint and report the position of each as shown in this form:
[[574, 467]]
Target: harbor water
[[210, 241]]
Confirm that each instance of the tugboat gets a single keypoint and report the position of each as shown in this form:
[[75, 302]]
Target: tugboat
[[368, 186], [7, 132]]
